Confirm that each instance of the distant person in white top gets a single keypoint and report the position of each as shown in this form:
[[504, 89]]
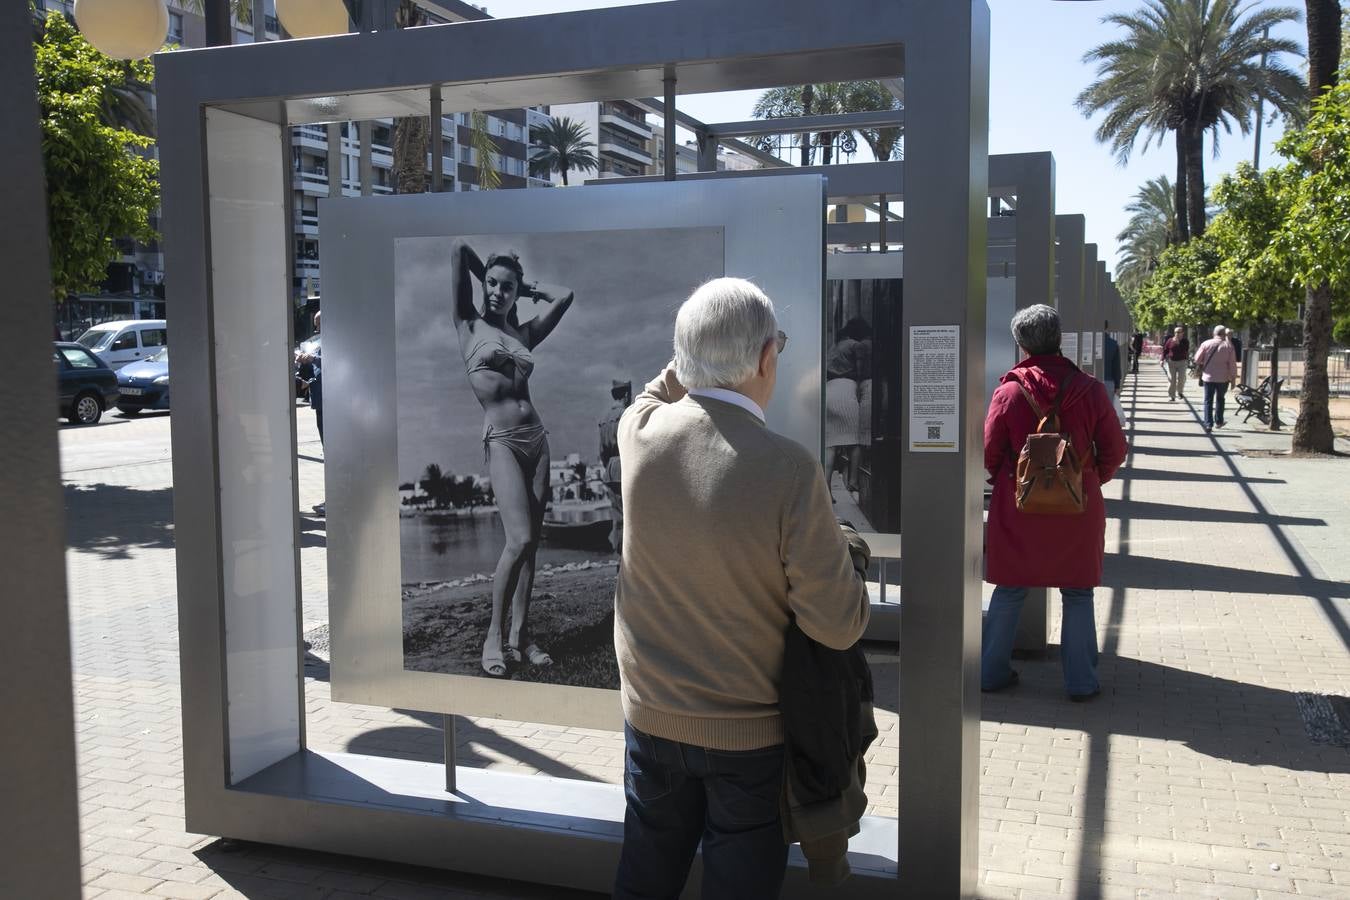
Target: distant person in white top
[[1216, 362]]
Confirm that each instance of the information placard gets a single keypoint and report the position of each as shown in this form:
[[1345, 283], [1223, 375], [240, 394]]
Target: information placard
[[934, 388], [1086, 360], [1068, 346]]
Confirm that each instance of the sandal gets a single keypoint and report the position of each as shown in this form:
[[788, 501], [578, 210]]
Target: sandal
[[536, 656], [494, 663]]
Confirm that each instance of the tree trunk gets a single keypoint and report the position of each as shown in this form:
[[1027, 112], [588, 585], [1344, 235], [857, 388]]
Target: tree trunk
[[1275, 423], [1181, 232], [1324, 44], [412, 134], [1195, 179], [1312, 431], [808, 100], [827, 148], [563, 172]]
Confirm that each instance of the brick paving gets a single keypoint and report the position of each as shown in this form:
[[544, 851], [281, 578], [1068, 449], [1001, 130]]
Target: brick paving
[[1193, 775]]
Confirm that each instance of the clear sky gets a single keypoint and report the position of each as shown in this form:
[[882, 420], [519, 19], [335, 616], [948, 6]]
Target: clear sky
[[1036, 72]]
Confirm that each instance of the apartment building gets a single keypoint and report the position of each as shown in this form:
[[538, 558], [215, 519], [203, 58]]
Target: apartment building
[[135, 285], [620, 133]]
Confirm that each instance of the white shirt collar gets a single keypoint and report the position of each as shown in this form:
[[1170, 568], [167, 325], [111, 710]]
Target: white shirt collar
[[733, 397]]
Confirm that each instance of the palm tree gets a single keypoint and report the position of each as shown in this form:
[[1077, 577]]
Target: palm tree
[[830, 99], [1190, 67], [561, 145], [412, 134], [1148, 233]]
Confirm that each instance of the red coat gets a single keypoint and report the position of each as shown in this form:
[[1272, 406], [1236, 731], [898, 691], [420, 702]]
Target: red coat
[[1024, 550]]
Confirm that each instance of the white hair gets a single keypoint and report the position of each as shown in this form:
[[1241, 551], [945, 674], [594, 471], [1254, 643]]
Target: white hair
[[720, 331], [1220, 331]]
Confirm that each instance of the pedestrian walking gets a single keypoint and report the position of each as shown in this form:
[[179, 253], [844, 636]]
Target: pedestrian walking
[[1136, 351], [1062, 544], [1176, 357], [1216, 366], [729, 538], [314, 359], [1115, 378]]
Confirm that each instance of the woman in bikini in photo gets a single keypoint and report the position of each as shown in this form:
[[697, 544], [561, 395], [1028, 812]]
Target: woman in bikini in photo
[[496, 348]]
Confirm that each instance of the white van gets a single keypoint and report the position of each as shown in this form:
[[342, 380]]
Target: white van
[[126, 341]]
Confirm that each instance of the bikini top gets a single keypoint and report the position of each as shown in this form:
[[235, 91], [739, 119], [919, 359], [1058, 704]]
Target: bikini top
[[498, 354]]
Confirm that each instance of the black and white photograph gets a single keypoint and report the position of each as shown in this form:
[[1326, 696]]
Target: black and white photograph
[[861, 400], [516, 354]]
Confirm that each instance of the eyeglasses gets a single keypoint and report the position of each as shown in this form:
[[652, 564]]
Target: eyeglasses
[[781, 338]]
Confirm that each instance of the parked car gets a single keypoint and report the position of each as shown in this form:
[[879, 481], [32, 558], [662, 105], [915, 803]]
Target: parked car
[[123, 342], [86, 385], [144, 385]]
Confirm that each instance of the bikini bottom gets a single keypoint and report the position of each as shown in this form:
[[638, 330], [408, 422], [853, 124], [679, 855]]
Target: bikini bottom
[[528, 443]]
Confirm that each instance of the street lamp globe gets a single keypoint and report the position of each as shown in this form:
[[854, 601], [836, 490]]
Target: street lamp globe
[[123, 29], [312, 18]]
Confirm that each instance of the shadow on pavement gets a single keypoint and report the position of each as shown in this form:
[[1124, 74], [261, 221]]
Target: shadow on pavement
[[113, 520], [1137, 509], [265, 870], [427, 742], [1168, 475]]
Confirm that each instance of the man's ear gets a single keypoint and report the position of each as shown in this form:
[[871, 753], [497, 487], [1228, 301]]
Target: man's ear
[[766, 358]]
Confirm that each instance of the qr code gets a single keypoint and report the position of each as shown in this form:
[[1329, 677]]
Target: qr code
[[934, 432]]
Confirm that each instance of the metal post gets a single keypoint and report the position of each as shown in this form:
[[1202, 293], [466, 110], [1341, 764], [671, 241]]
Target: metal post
[[365, 131], [448, 738], [335, 159], [437, 142], [217, 15], [707, 152], [946, 189], [669, 168], [881, 201], [259, 21], [40, 850]]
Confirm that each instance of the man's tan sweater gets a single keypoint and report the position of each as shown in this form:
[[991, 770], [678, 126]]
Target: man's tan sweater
[[728, 534]]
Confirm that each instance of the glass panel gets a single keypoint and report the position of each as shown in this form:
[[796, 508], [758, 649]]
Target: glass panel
[[154, 337], [125, 342], [79, 359]]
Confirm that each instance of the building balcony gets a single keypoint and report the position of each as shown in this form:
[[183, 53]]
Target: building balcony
[[625, 152], [538, 182], [313, 183], [631, 126]]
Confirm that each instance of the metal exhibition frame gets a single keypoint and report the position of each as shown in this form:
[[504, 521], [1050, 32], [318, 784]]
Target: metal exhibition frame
[[225, 165], [1069, 264], [1027, 182], [1087, 316]]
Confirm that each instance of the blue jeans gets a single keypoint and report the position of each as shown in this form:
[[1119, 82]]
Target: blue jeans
[[679, 795], [1077, 643], [1215, 391]]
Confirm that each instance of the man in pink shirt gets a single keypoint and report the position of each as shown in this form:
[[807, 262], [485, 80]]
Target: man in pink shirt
[[1217, 363]]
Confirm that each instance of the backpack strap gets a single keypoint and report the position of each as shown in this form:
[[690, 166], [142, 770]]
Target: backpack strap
[[1059, 399]]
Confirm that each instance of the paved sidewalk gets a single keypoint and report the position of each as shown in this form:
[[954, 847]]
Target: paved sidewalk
[[1193, 775]]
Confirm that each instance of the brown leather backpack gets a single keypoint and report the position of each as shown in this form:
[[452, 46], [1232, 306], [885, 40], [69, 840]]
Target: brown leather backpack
[[1049, 469]]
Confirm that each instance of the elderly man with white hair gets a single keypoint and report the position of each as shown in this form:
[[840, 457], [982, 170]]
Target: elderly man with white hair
[[1216, 364], [728, 538]]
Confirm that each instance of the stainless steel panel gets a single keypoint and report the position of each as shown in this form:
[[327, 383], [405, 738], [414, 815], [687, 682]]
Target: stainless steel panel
[[773, 235]]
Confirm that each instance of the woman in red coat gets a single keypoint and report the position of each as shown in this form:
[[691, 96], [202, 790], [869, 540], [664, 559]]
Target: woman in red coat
[[1059, 551]]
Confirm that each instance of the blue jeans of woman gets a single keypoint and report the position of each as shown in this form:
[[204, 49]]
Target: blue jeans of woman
[[1077, 643], [679, 795], [1215, 391]]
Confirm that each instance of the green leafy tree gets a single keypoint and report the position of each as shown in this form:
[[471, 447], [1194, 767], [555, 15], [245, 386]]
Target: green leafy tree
[[101, 182], [1147, 234], [831, 98], [1312, 431], [484, 151], [1189, 67], [1253, 281], [561, 145], [1179, 290], [1315, 242]]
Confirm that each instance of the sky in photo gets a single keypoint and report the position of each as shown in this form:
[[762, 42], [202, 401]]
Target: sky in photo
[[1036, 72], [628, 287]]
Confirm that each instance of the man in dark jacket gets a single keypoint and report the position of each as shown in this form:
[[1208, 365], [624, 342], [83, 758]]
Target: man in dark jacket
[[1176, 358], [1061, 551], [1136, 350]]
